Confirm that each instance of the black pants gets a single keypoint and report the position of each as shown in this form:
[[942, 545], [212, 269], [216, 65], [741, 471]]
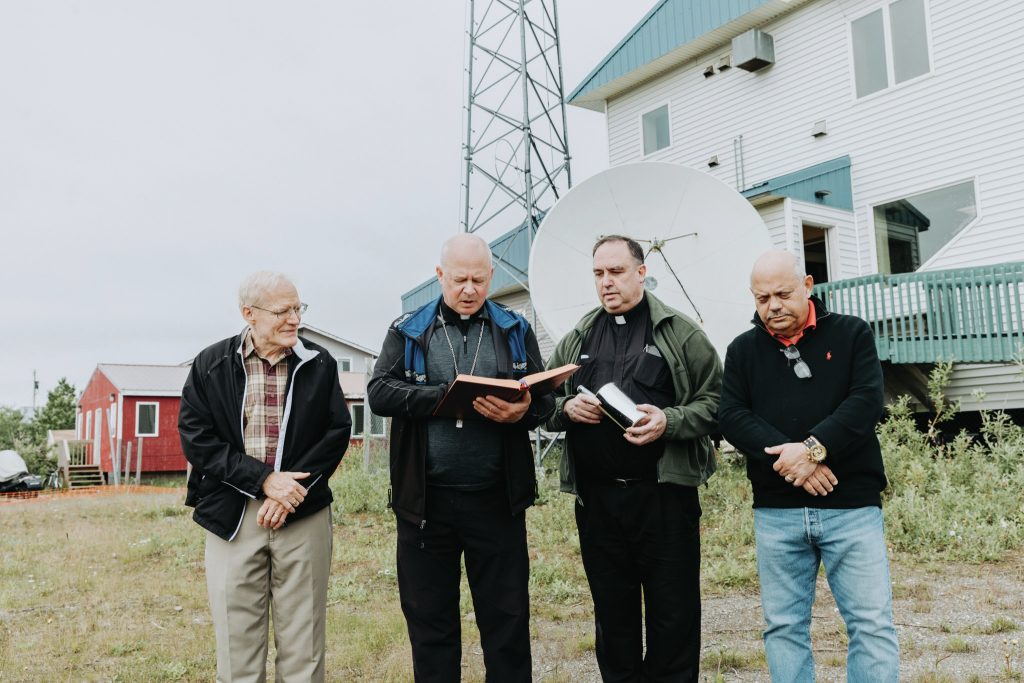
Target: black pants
[[644, 537], [480, 524]]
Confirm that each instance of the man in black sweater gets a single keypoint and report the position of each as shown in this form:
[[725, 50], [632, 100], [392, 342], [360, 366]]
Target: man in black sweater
[[801, 396]]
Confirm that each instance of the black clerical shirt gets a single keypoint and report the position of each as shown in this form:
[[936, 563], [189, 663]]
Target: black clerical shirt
[[620, 349]]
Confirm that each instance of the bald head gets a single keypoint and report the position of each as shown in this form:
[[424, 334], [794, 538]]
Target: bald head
[[465, 273], [781, 289], [777, 261], [464, 245]]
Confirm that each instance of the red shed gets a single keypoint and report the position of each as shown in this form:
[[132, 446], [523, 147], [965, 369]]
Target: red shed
[[122, 404], [126, 403]]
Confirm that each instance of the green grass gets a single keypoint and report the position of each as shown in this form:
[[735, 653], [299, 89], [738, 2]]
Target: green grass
[[958, 645], [1000, 625], [112, 588], [732, 660]]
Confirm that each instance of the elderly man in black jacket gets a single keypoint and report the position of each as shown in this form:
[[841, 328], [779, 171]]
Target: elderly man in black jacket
[[263, 423], [461, 485]]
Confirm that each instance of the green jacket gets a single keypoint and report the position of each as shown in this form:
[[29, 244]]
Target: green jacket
[[689, 457]]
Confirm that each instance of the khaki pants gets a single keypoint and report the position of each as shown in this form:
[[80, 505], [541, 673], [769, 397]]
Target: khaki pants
[[260, 571]]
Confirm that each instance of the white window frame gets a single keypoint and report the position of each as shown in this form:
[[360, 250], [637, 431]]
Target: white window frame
[[368, 416], [88, 425], [344, 359], [828, 232], [358, 424], [640, 126], [926, 265], [890, 67], [156, 418]]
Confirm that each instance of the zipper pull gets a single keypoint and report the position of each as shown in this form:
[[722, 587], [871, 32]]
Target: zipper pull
[[423, 523]]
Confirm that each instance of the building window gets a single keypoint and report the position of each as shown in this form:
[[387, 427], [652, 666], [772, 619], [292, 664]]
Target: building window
[[890, 46], [655, 128], [912, 230], [358, 422], [345, 364], [147, 419], [357, 419], [88, 426], [376, 425]]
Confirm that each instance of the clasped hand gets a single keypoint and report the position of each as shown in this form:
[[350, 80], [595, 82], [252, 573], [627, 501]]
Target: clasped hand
[[815, 478], [283, 494]]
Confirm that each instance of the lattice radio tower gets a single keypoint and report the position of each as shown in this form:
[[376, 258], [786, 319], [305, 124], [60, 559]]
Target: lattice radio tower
[[516, 148]]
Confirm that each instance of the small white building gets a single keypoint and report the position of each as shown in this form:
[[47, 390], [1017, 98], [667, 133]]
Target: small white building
[[351, 357], [881, 140]]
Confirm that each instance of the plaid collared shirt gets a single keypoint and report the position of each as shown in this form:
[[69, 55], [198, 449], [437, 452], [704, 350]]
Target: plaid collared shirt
[[265, 387]]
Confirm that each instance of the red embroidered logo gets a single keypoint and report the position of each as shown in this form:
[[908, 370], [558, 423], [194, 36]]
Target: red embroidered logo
[[828, 356]]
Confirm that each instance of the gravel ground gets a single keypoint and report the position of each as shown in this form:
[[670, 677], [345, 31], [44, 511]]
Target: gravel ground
[[956, 622]]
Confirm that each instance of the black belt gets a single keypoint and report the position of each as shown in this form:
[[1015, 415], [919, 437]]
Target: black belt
[[623, 483]]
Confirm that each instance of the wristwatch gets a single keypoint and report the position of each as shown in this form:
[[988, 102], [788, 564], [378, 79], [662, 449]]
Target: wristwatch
[[815, 451]]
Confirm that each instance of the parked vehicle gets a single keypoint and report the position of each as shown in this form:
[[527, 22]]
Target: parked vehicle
[[14, 474]]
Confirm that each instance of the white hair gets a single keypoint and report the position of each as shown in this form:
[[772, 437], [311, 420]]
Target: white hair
[[257, 285]]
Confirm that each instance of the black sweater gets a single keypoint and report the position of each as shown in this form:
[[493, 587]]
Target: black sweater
[[765, 404]]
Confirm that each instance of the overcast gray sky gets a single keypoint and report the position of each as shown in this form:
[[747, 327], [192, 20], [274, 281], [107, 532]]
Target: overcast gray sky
[[152, 153]]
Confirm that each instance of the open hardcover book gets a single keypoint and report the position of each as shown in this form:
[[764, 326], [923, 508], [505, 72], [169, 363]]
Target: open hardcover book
[[458, 400], [615, 404]]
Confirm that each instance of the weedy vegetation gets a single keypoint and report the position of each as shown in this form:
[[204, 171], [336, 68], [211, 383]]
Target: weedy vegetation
[[112, 588]]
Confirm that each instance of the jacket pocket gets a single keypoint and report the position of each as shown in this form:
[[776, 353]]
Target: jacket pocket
[[651, 371]]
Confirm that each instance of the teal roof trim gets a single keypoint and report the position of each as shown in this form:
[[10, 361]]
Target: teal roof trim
[[511, 266], [810, 185], [669, 25]]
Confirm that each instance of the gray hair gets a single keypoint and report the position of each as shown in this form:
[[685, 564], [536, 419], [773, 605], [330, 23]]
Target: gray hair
[[257, 285]]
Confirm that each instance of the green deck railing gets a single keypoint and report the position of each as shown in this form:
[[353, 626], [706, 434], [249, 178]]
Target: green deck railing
[[969, 315]]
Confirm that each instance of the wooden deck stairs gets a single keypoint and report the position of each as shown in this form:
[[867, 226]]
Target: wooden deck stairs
[[76, 464], [83, 476]]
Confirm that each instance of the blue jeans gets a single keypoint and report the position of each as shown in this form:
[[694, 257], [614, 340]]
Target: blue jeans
[[791, 543]]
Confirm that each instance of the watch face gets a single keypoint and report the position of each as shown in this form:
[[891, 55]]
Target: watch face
[[817, 454]]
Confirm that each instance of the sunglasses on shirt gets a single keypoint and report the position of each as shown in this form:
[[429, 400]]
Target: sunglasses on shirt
[[800, 368]]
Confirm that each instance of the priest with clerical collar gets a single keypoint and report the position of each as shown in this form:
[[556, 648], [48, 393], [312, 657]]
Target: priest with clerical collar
[[461, 485], [637, 507]]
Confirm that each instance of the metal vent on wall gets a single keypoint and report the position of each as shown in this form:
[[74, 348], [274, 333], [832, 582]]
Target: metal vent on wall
[[753, 50]]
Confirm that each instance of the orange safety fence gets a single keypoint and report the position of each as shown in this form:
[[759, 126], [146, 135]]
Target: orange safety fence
[[61, 494]]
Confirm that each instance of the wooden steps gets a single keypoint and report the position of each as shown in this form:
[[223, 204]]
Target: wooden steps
[[82, 476]]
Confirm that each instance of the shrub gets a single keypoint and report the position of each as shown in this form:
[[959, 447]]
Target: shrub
[[359, 488], [953, 500]]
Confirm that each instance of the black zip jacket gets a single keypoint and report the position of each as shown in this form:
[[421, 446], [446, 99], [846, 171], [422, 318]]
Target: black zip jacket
[[765, 404], [411, 405], [316, 432]]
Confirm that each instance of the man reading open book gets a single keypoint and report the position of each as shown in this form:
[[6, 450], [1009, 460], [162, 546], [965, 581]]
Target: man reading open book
[[461, 485]]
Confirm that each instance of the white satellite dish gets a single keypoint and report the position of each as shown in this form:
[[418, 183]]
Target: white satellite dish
[[701, 238]]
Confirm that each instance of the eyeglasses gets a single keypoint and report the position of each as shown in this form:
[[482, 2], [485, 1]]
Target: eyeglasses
[[282, 315], [800, 369]]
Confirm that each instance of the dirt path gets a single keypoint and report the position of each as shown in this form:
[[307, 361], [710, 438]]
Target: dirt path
[[955, 623]]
